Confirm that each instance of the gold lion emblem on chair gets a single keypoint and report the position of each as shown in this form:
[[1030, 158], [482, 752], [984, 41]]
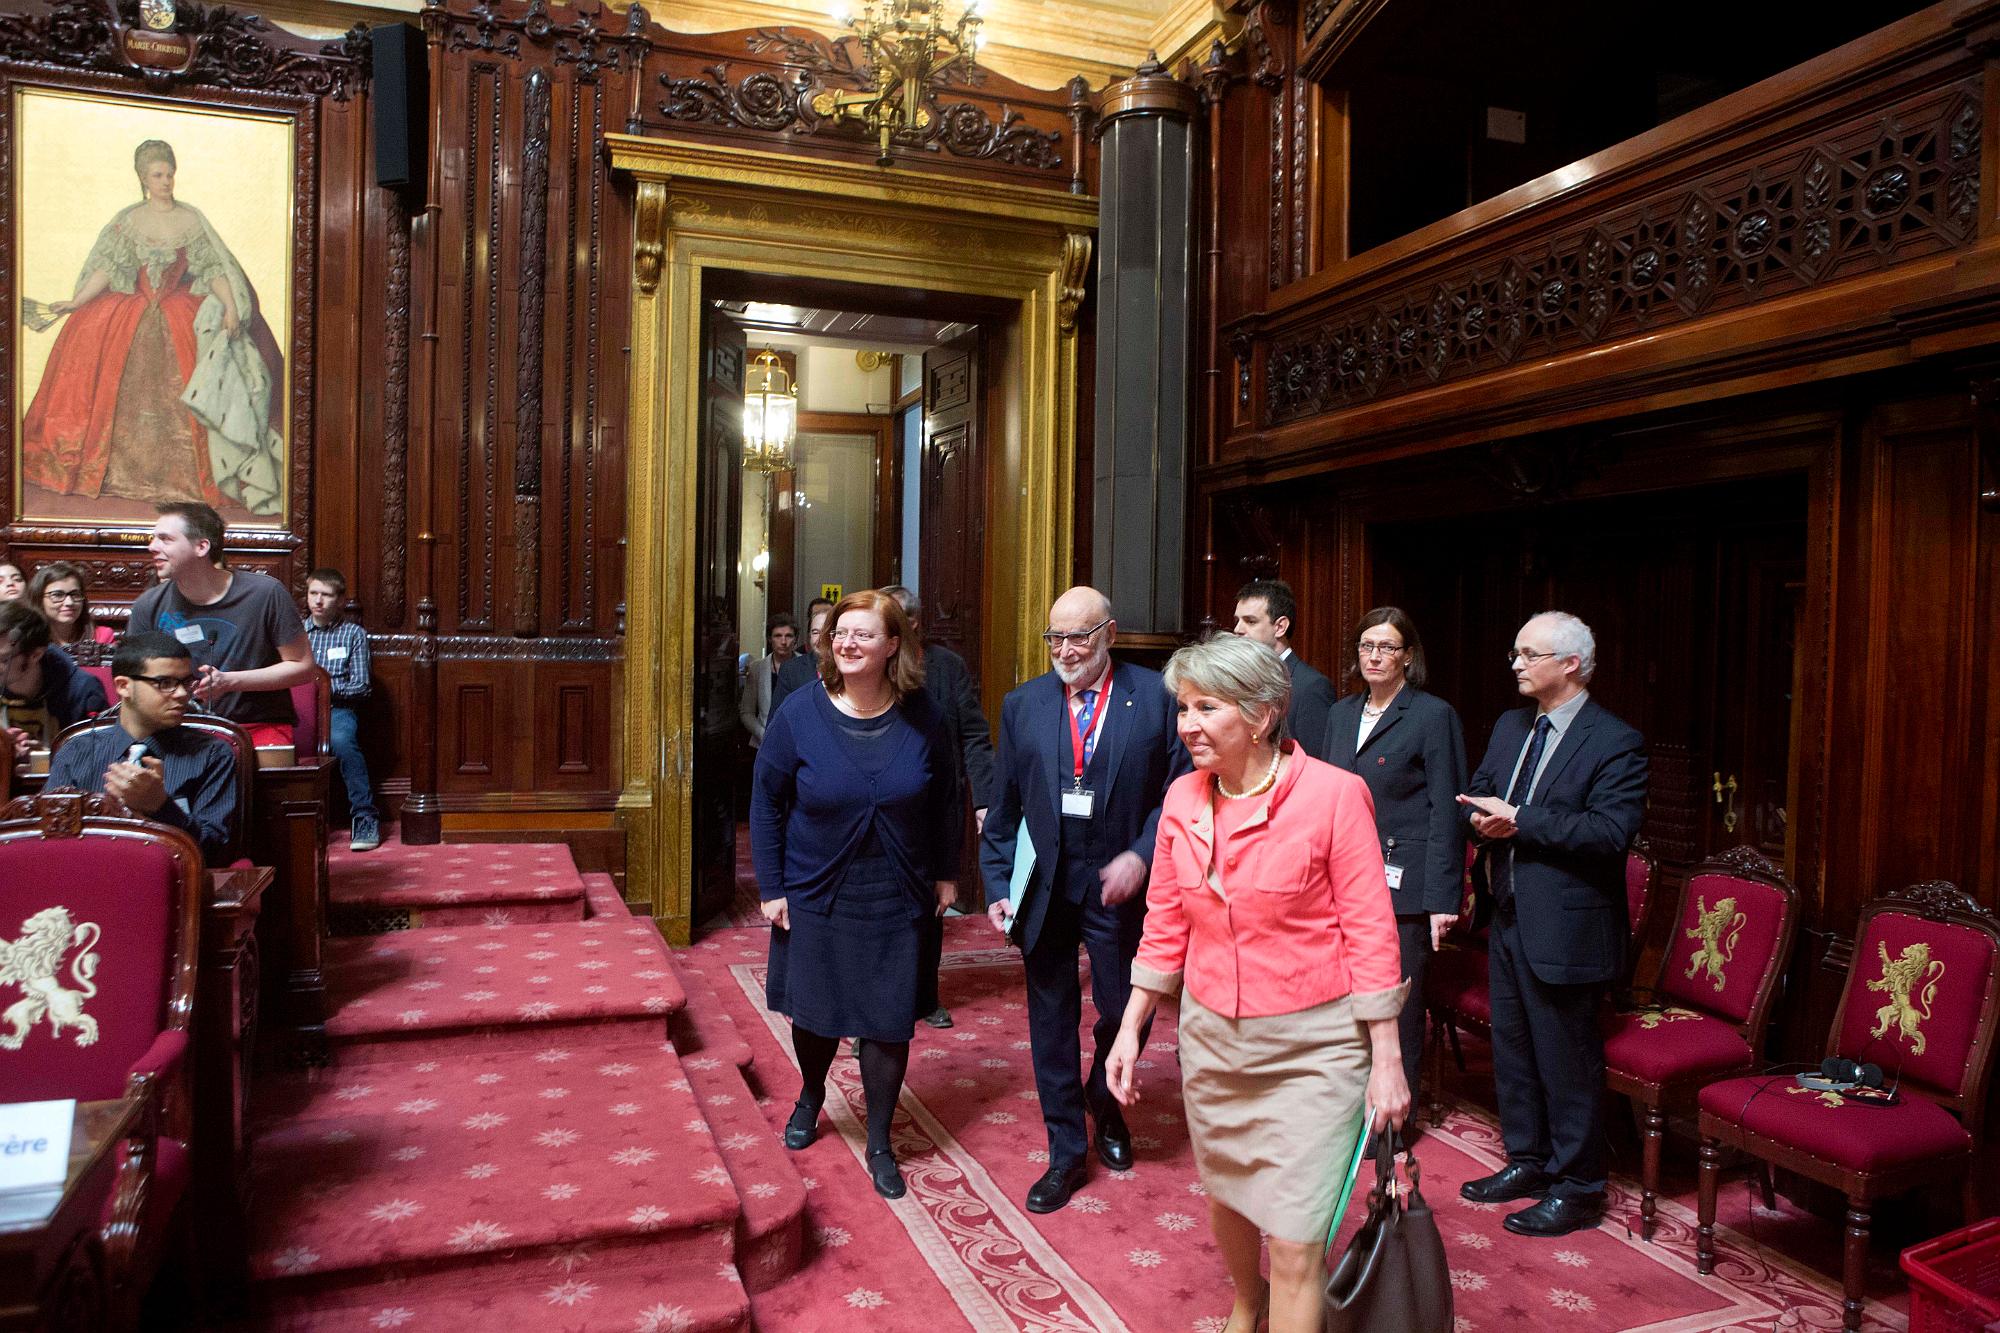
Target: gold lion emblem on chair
[[1718, 928], [34, 963], [1912, 971]]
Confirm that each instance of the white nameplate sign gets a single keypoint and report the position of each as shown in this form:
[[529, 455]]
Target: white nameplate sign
[[34, 1144]]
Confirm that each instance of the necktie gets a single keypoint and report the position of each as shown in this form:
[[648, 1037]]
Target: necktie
[[1086, 719], [1517, 795]]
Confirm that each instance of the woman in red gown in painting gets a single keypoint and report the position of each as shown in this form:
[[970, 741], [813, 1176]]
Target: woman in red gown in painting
[[164, 383]]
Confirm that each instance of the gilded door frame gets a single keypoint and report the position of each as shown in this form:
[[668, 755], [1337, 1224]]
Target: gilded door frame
[[701, 207]]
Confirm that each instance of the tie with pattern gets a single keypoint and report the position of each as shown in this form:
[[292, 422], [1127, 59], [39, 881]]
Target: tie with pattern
[[1086, 720], [1517, 796]]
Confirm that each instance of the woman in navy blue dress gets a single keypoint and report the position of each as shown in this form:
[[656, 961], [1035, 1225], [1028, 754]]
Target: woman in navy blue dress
[[854, 829]]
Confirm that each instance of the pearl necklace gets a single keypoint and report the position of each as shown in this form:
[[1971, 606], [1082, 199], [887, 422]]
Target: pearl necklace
[[1270, 780]]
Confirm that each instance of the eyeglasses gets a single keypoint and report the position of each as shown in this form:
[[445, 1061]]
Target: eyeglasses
[[1527, 657], [63, 595], [1367, 649], [1057, 639], [858, 636], [168, 684]]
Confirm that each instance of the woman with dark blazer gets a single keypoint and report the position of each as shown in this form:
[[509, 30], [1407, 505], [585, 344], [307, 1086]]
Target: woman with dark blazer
[[1409, 748], [854, 828]]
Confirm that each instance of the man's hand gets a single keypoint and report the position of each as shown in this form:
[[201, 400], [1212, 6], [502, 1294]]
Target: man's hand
[[1000, 911], [1492, 818], [947, 894], [138, 787], [777, 911], [17, 741], [1122, 878], [212, 684], [1440, 923]]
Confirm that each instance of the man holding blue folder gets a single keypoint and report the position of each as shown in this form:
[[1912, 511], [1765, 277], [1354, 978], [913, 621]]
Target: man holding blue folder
[[1086, 754]]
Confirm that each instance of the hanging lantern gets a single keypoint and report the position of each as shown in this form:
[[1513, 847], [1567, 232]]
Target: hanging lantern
[[770, 415]]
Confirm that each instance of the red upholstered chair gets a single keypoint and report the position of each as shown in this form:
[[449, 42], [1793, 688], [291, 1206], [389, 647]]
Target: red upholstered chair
[[1642, 873], [1921, 1000], [102, 914], [312, 701], [223, 730], [1709, 1001]]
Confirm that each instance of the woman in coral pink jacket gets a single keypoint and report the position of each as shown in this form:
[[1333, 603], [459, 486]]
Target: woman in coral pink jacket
[[1269, 907]]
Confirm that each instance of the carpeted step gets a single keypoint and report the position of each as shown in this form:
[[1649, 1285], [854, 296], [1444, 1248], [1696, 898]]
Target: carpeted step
[[417, 994], [573, 1296], [771, 1232], [601, 897], [495, 1166], [703, 1026], [466, 884]]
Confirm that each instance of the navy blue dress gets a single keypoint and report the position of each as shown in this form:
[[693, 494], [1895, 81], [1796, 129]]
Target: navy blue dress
[[851, 821]]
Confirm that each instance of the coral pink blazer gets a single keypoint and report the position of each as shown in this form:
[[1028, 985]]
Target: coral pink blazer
[[1303, 915]]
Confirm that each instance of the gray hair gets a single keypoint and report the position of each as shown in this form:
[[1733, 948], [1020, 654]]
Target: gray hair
[[1242, 671], [1570, 637], [905, 599]]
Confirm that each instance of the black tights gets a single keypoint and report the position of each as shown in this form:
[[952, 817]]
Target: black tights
[[883, 1064]]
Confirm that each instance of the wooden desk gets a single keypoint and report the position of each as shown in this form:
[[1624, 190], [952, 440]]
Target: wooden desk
[[225, 1039], [52, 1266]]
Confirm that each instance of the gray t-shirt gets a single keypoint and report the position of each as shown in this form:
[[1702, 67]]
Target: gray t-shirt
[[241, 632]]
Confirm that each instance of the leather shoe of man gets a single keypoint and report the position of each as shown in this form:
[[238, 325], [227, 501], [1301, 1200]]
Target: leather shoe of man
[[1557, 1216], [1516, 1180], [1114, 1146], [1052, 1191]]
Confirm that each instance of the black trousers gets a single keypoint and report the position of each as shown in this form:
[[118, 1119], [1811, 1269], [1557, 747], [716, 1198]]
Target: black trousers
[[1110, 936], [1548, 1066], [1413, 934]]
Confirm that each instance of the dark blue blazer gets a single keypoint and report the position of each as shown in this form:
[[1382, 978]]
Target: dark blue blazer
[[1414, 765], [1142, 755], [1312, 702], [1571, 839]]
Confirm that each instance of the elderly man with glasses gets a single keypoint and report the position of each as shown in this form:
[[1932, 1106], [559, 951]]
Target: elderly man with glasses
[[160, 769], [1554, 805], [1086, 754]]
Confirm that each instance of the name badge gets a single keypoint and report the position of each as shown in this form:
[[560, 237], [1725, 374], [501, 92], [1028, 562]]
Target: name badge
[[1078, 802], [188, 634], [336, 654], [1395, 874]]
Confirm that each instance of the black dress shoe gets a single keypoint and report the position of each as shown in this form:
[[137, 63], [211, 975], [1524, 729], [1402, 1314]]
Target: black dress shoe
[[888, 1177], [1052, 1191], [803, 1126], [1557, 1216], [1516, 1180], [939, 1017], [1114, 1147]]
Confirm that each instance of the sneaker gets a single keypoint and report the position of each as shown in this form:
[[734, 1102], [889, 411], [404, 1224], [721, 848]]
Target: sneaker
[[364, 835]]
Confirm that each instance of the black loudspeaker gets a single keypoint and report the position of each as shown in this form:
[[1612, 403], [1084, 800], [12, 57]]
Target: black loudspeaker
[[401, 98]]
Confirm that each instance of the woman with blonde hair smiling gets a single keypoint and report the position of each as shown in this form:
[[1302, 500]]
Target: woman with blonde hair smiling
[[1268, 901], [854, 831]]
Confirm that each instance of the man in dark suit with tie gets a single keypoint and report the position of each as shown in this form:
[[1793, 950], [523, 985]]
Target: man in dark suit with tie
[[950, 683], [1266, 611], [1086, 754], [1553, 848]]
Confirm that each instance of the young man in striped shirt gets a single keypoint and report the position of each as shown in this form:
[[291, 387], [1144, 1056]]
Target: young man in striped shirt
[[341, 647]]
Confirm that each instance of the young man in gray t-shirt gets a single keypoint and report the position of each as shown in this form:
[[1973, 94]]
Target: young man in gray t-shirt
[[240, 626]]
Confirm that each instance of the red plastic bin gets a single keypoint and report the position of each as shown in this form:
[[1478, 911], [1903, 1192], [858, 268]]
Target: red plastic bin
[[1955, 1281]]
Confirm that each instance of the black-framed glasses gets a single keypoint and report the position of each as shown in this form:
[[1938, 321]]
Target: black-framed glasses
[[1527, 656], [1056, 639], [63, 595], [168, 684], [1367, 649]]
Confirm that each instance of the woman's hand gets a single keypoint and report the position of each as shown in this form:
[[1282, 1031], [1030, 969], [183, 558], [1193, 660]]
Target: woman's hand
[[778, 912], [230, 324], [947, 894], [61, 307], [1120, 1071], [1441, 922], [1388, 1090]]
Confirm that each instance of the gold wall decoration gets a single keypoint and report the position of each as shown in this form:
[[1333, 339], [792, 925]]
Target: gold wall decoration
[[726, 208]]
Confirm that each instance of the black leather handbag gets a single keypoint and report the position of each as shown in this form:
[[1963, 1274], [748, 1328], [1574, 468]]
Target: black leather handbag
[[1392, 1275]]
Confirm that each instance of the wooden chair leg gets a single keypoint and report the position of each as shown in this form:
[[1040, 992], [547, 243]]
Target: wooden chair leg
[[1710, 1180], [1434, 1066], [1765, 1188], [1457, 1054], [1649, 1168], [1854, 1266], [1969, 1197]]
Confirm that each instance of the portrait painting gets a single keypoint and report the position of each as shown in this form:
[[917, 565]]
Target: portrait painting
[[153, 277]]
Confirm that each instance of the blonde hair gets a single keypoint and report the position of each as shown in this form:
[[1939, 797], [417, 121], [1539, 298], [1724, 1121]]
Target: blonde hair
[[1240, 670], [905, 668], [153, 150]]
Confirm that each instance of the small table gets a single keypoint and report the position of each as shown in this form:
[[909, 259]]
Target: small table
[[51, 1255]]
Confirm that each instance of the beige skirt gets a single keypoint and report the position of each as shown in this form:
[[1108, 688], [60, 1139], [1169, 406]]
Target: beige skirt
[[1273, 1109]]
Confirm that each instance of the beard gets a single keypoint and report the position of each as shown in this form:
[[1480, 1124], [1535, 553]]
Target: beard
[[1085, 672]]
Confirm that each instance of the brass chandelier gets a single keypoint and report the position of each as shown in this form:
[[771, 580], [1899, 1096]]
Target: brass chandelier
[[908, 49], [770, 415]]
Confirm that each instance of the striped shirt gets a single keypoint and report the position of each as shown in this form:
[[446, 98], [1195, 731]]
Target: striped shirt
[[199, 772], [341, 648]]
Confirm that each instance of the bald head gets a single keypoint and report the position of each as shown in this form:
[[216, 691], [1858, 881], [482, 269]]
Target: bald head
[[1080, 603], [1080, 635]]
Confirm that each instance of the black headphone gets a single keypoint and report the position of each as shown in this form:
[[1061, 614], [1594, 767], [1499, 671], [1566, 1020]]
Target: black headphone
[[1862, 1082]]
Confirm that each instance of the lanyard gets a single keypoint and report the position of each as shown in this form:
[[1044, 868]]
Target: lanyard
[[1103, 688]]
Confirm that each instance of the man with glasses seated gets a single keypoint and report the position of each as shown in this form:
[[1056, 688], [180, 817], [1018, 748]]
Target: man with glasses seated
[[41, 689], [161, 770]]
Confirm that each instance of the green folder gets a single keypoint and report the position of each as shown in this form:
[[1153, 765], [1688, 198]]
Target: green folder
[[1353, 1173]]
